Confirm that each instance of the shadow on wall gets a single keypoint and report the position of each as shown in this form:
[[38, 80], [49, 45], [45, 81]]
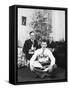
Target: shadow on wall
[[59, 54]]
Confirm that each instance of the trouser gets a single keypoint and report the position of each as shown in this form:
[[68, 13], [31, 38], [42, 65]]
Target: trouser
[[42, 73], [28, 57]]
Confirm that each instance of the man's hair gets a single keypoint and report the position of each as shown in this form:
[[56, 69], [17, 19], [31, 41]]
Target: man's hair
[[31, 32], [44, 40]]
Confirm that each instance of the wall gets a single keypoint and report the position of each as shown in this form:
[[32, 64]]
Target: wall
[[58, 25], [23, 31]]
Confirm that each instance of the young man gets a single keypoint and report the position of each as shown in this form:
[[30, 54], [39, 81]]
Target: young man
[[43, 61], [30, 46]]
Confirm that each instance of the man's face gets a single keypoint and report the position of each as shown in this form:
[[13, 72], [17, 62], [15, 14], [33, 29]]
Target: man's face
[[32, 36], [44, 44]]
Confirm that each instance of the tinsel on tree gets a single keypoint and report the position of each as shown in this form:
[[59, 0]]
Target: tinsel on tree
[[41, 24]]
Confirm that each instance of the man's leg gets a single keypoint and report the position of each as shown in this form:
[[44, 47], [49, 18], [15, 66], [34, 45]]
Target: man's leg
[[53, 71], [37, 69], [40, 73]]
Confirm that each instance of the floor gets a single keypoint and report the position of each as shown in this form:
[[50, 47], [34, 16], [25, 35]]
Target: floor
[[24, 74]]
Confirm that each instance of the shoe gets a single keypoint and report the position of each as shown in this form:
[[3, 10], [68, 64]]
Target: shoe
[[44, 75]]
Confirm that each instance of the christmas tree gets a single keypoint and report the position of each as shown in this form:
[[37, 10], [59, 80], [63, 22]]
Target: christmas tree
[[41, 24]]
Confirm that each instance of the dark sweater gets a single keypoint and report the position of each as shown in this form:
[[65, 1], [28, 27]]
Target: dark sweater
[[27, 46]]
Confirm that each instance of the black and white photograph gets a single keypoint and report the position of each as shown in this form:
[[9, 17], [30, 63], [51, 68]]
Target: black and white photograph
[[38, 44], [41, 45]]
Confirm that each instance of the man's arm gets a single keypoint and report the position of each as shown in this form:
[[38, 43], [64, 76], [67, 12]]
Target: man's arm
[[32, 60], [34, 63], [25, 48], [52, 58]]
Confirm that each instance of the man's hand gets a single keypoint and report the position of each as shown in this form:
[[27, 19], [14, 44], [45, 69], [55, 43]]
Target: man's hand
[[50, 68], [45, 70], [31, 68]]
